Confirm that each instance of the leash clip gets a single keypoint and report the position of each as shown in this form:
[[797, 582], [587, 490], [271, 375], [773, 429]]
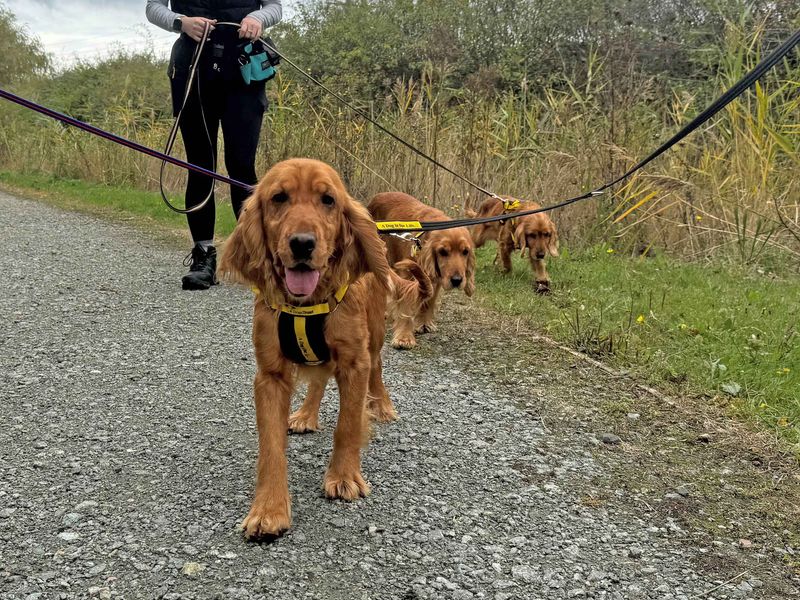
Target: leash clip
[[407, 236]]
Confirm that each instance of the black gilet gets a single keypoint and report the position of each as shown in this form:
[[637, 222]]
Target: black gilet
[[221, 10]]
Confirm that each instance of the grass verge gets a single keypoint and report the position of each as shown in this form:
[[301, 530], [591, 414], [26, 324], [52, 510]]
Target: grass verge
[[721, 333], [725, 334], [122, 204]]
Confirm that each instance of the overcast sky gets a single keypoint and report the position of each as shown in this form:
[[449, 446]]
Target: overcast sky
[[88, 29]]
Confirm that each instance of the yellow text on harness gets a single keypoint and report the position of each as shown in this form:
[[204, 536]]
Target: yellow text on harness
[[303, 343]]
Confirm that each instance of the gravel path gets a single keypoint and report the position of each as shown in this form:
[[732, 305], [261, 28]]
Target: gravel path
[[128, 443]]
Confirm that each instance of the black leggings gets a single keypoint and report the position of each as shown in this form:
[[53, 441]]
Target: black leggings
[[240, 109]]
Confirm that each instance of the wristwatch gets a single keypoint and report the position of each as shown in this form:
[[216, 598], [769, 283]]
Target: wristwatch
[[177, 25]]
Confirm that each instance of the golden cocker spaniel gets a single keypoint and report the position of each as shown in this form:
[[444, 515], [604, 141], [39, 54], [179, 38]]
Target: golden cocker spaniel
[[306, 246]]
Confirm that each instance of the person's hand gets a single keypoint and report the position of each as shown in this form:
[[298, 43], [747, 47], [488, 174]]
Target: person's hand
[[250, 29], [193, 26]]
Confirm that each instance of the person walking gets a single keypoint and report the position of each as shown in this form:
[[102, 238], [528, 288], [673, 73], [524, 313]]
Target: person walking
[[219, 96]]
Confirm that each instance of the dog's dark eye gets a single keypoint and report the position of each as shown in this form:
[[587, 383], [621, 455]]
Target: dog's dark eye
[[280, 197], [328, 200], [546, 234], [465, 251], [443, 252]]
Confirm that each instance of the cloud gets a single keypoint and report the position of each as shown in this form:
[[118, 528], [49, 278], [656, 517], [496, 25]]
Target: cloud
[[72, 30], [87, 30], [100, 3]]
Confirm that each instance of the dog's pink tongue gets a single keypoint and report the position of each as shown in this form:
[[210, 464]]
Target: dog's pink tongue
[[301, 283]]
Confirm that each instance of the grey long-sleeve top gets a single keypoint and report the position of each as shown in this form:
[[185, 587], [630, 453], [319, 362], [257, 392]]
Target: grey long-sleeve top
[[158, 13]]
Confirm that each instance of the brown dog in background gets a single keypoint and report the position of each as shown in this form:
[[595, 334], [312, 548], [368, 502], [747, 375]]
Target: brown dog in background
[[447, 257], [299, 239], [535, 234]]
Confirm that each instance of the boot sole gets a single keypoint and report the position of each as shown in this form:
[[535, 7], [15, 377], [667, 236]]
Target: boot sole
[[193, 284]]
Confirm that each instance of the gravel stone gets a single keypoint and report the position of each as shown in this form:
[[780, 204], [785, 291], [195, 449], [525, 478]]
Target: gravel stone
[[524, 572], [610, 439], [435, 535], [192, 568], [70, 519], [596, 576]]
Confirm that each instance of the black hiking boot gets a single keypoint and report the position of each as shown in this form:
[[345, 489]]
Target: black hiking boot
[[202, 268]]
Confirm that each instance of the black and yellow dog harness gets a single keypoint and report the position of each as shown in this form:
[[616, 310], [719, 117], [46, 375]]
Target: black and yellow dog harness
[[301, 330]]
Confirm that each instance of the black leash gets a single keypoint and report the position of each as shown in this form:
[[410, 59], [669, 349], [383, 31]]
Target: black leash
[[173, 134]]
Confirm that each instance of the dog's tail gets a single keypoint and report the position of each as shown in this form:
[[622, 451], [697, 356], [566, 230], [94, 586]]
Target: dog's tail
[[407, 294]]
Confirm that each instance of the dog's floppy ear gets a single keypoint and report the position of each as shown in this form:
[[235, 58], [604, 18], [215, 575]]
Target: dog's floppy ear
[[245, 256], [469, 285], [427, 260], [552, 246], [521, 239], [369, 250]]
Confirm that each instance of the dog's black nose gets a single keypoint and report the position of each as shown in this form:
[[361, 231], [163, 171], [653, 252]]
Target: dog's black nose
[[302, 245], [456, 280], [540, 255]]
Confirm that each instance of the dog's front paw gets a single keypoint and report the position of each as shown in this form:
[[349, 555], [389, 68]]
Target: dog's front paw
[[427, 328], [301, 422], [267, 519], [404, 342], [347, 486], [382, 411], [542, 287]]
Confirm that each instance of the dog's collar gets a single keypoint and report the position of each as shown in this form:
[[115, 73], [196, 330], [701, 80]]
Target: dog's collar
[[316, 309]]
